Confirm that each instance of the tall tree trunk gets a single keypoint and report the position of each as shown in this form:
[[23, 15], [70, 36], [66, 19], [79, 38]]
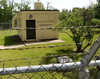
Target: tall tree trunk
[[79, 47]]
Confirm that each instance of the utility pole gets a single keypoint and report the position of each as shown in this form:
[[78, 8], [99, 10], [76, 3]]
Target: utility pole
[[21, 4], [9, 3], [48, 5]]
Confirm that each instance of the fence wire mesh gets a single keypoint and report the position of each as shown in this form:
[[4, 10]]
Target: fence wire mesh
[[52, 70], [45, 67], [8, 26]]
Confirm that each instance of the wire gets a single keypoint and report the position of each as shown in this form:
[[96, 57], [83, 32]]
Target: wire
[[50, 56], [18, 28], [52, 46]]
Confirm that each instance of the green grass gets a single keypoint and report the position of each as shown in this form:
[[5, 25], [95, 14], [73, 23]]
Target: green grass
[[5, 37], [38, 52]]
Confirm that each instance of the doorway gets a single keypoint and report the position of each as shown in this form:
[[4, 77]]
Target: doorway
[[31, 33]]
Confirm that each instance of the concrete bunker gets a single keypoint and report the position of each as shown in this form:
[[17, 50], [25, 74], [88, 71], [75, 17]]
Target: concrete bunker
[[36, 18]]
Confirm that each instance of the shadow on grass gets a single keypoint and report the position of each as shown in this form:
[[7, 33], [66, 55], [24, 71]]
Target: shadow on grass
[[97, 32], [93, 73], [10, 40], [74, 74], [59, 52], [70, 74]]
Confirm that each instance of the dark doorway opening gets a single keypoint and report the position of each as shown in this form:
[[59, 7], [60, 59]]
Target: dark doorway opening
[[31, 33]]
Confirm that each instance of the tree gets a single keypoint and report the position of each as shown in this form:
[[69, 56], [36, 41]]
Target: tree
[[48, 3], [98, 1], [22, 6], [77, 17], [1, 14], [87, 14], [43, 8], [79, 35], [63, 15], [97, 10], [49, 7], [6, 11], [3, 4]]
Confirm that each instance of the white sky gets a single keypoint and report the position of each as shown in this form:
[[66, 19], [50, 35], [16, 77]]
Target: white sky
[[63, 4]]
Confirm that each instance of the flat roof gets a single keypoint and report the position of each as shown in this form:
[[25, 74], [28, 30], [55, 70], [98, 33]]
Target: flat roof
[[39, 10]]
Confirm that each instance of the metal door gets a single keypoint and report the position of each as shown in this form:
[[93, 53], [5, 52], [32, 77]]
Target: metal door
[[31, 33]]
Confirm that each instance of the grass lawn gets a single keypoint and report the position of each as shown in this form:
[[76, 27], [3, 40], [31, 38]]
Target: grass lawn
[[5, 37], [38, 52]]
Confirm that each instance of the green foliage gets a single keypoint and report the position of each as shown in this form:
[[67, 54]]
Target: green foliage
[[30, 53], [78, 17], [97, 11], [98, 1], [22, 6], [95, 21], [62, 16], [74, 21], [7, 11], [5, 38], [43, 8]]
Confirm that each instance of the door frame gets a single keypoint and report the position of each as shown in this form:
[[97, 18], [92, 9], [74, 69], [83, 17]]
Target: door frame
[[31, 30]]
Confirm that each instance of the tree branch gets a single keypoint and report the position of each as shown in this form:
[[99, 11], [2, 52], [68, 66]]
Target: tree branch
[[86, 46], [83, 39], [67, 33]]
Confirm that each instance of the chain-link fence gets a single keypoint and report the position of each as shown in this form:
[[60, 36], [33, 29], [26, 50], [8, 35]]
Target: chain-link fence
[[62, 66], [56, 70], [53, 71], [6, 26]]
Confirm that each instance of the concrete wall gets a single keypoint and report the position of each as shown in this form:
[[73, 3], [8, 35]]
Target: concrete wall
[[43, 19]]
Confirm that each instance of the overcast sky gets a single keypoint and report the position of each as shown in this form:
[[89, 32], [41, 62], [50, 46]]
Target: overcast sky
[[63, 4]]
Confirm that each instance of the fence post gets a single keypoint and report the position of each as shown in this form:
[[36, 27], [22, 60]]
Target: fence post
[[84, 73], [2, 26], [10, 25], [98, 68]]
